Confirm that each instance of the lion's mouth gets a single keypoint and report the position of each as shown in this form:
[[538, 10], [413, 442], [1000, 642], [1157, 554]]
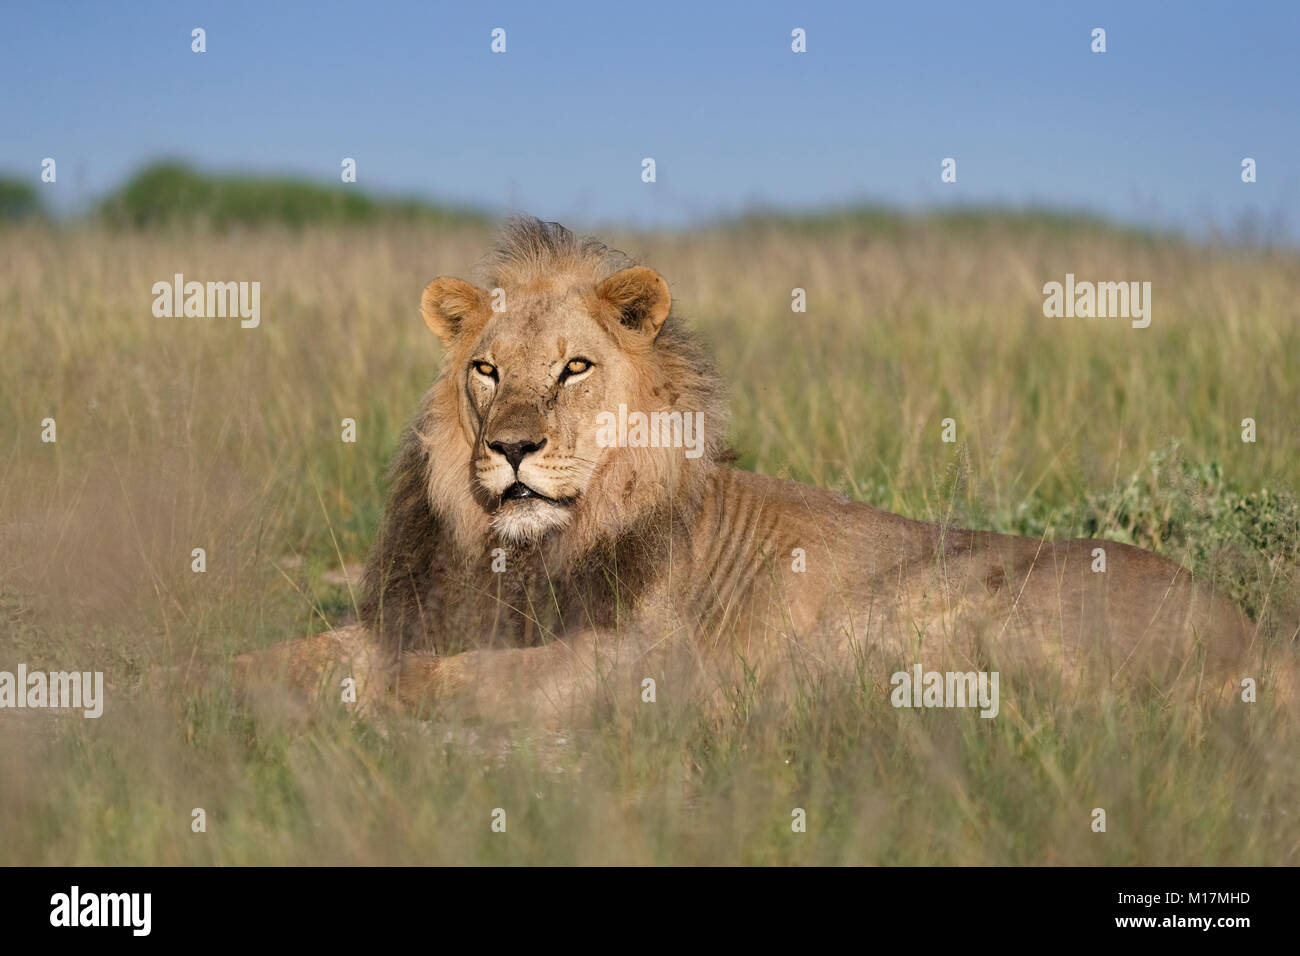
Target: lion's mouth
[[521, 492]]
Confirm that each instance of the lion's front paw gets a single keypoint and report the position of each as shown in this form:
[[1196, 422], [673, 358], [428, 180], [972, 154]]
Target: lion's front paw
[[337, 668], [420, 678]]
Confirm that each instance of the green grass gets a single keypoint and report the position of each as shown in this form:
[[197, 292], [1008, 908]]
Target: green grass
[[879, 220], [178, 433]]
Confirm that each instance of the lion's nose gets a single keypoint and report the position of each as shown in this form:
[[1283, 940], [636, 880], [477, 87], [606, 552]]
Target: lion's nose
[[514, 451]]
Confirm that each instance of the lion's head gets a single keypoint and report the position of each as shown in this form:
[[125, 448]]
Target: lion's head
[[532, 429]]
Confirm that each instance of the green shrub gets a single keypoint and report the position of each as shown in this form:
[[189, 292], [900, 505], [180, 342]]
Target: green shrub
[[18, 200], [1247, 542], [172, 193]]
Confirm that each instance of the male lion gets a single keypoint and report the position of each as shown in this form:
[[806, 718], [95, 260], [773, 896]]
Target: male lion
[[525, 566]]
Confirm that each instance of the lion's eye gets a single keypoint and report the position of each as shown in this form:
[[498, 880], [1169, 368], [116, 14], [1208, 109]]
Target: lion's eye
[[575, 367], [486, 369]]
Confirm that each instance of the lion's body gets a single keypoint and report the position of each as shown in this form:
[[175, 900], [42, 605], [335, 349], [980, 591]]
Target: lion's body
[[523, 562]]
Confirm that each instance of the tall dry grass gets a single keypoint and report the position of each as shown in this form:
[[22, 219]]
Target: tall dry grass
[[183, 433]]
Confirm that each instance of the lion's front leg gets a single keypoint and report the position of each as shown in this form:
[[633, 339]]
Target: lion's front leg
[[551, 685]]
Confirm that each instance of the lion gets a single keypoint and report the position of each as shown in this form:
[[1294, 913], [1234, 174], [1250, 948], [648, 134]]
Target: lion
[[532, 558]]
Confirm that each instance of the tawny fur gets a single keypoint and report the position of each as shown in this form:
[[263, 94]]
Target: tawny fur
[[650, 564]]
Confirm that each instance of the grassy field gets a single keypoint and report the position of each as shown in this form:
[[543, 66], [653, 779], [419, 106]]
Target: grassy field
[[180, 433]]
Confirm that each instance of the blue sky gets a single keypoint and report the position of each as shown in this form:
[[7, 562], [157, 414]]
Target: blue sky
[[1153, 130]]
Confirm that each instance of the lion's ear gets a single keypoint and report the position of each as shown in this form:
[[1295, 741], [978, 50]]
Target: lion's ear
[[640, 296], [449, 305]]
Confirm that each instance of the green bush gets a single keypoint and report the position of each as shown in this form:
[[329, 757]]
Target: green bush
[[18, 200], [172, 193], [1247, 542]]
